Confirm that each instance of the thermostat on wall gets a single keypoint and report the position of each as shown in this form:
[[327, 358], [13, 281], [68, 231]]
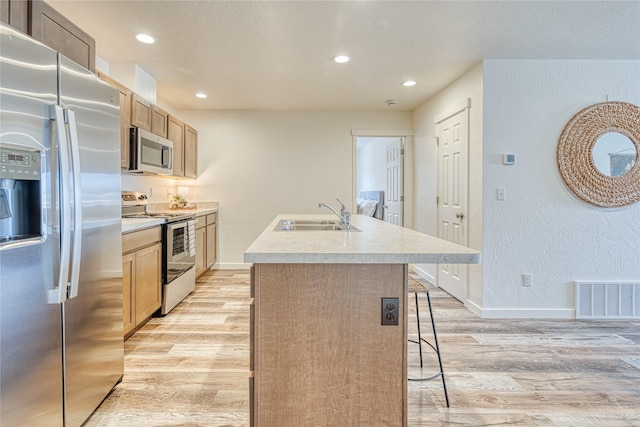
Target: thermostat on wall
[[508, 159]]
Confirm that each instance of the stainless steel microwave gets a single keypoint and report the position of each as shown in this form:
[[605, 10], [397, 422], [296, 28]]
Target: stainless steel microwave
[[150, 153]]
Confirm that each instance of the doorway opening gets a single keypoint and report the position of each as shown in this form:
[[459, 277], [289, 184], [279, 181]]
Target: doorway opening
[[380, 166]]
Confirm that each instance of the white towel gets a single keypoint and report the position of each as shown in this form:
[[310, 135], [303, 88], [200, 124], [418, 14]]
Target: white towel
[[191, 230]]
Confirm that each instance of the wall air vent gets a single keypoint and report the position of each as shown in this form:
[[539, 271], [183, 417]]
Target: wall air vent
[[607, 300]]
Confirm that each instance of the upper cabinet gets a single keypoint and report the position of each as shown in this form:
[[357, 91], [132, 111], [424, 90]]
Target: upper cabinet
[[47, 25], [148, 116], [159, 121], [185, 148], [175, 129], [141, 112], [125, 118], [15, 13], [190, 152]]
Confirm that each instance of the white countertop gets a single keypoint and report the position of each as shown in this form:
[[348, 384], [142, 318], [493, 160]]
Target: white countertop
[[377, 243], [135, 224]]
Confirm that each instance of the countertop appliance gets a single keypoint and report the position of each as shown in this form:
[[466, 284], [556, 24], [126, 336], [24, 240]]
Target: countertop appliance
[[61, 339], [178, 248], [150, 153]]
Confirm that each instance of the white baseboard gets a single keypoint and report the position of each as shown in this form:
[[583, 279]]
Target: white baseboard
[[474, 308], [232, 266], [525, 313]]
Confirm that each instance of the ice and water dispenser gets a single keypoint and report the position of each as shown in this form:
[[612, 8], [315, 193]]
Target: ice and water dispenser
[[20, 194]]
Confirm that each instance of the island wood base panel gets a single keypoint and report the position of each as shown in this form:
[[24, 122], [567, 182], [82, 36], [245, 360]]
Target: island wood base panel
[[319, 352]]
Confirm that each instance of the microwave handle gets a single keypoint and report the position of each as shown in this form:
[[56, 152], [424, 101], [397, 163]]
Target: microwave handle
[[166, 157]]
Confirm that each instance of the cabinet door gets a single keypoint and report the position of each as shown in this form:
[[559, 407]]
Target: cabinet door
[[128, 303], [159, 121], [201, 250], [15, 13], [148, 286], [212, 230], [176, 134], [53, 29], [125, 118], [140, 112], [190, 152]]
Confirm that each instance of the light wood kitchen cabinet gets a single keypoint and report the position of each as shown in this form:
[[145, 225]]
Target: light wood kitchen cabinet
[[50, 27], [291, 369], [141, 277], [159, 121], [15, 13], [148, 116], [206, 242], [128, 275], [141, 112], [190, 152], [201, 246], [125, 118], [212, 239], [175, 130]]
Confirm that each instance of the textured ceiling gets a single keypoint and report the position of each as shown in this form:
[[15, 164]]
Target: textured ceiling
[[277, 55]]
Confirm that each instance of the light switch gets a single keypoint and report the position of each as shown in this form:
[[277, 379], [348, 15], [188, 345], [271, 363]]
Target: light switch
[[500, 193]]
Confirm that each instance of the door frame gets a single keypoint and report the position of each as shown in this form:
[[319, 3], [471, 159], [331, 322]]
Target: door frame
[[408, 167]]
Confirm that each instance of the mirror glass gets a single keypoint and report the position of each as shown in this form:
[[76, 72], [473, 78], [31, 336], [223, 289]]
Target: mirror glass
[[614, 154]]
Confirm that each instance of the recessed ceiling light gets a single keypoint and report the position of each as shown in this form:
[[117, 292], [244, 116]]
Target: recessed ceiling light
[[201, 95], [341, 59], [145, 38], [409, 83]]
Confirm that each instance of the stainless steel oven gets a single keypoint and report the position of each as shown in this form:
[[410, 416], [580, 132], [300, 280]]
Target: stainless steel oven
[[178, 248], [178, 261]]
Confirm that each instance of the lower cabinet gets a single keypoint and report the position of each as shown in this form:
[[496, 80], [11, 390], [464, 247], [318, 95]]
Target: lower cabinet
[[141, 277], [206, 242]]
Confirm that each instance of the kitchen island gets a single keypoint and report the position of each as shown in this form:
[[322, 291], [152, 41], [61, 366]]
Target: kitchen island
[[319, 352]]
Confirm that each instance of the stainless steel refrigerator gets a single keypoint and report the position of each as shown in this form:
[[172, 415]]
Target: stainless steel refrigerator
[[61, 344]]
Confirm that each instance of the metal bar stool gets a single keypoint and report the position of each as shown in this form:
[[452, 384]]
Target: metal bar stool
[[416, 288]]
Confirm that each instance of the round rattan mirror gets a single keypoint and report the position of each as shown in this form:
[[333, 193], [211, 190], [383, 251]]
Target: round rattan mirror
[[575, 159]]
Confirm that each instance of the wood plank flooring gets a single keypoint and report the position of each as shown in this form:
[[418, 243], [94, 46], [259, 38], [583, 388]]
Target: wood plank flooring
[[190, 368]]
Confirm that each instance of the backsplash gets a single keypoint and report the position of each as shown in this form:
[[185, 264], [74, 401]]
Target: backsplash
[[160, 189], [154, 187]]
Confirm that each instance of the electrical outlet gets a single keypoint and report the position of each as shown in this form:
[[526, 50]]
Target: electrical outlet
[[527, 280], [150, 192], [390, 311]]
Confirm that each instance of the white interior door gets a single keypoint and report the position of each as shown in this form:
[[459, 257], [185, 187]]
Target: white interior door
[[453, 154], [394, 196]]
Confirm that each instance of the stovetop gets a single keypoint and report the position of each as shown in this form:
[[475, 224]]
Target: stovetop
[[134, 205]]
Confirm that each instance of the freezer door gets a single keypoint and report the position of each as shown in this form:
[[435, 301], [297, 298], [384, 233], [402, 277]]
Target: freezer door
[[30, 327], [93, 326]]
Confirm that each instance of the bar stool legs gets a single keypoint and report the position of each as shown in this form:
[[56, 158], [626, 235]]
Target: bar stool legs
[[435, 347]]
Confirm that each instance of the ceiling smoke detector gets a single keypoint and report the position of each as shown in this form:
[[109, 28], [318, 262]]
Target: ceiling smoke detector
[[391, 102]]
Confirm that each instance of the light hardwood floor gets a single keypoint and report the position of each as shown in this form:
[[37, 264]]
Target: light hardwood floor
[[190, 368]]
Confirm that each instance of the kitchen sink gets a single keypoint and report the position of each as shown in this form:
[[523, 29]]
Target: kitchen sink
[[311, 225]]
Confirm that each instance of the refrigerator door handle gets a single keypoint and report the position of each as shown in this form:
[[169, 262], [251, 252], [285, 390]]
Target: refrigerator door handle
[[77, 205], [60, 295]]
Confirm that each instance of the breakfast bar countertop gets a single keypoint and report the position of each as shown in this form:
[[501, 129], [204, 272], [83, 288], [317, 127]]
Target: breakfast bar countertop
[[377, 243]]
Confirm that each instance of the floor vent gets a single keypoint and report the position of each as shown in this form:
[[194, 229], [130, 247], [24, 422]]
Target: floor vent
[[607, 300]]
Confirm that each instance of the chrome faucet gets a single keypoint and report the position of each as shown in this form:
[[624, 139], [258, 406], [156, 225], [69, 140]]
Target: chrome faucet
[[344, 215]]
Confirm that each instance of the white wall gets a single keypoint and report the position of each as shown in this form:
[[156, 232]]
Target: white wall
[[372, 163], [542, 228], [258, 164], [469, 86]]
